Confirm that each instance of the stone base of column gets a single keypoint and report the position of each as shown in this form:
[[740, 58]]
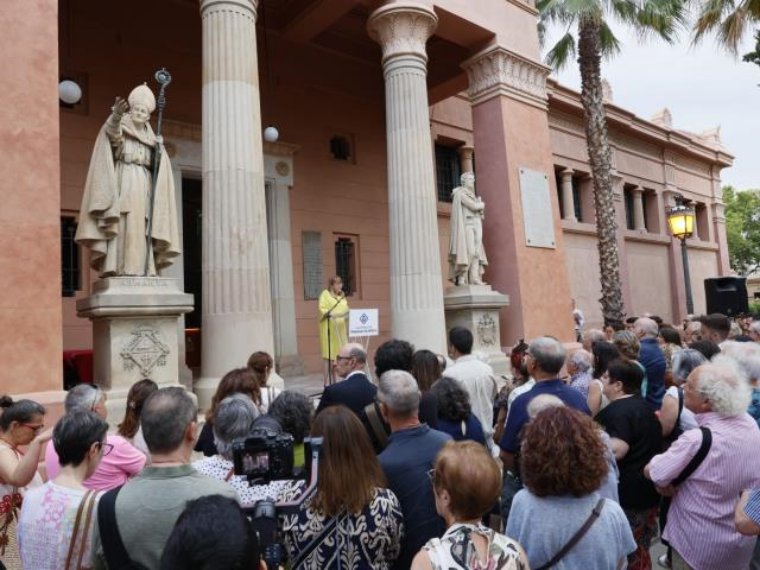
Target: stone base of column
[[135, 336], [290, 365], [476, 307]]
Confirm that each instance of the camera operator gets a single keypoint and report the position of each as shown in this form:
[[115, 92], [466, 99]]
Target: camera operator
[[234, 419], [350, 512]]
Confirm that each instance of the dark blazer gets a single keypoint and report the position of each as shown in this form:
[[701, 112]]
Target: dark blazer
[[355, 393]]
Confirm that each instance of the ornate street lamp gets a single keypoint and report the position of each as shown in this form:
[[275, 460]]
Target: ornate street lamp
[[681, 224]]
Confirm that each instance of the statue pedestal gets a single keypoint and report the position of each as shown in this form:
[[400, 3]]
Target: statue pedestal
[[476, 307], [135, 334]]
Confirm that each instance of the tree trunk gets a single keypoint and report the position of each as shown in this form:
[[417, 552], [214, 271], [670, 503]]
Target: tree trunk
[[599, 155]]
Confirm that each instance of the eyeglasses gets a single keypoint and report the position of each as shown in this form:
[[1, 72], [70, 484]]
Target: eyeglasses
[[107, 448], [339, 358], [431, 475], [34, 427]]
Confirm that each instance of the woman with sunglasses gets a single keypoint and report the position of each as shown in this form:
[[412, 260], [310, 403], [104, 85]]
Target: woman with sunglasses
[[21, 424], [55, 526]]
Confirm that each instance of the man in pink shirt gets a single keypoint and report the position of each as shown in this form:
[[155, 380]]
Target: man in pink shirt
[[121, 460], [700, 525]]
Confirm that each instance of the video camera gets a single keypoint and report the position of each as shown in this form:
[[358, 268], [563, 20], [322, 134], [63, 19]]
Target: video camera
[[267, 456]]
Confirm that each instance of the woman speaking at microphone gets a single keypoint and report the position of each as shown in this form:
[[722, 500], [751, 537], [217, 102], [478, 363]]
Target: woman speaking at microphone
[[333, 323]]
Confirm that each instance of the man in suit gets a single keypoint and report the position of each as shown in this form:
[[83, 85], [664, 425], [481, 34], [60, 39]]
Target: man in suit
[[356, 390]]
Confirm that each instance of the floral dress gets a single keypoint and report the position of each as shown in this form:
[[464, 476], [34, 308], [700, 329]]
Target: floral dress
[[370, 540], [455, 550]]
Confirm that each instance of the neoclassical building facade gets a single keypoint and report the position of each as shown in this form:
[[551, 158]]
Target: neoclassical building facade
[[380, 106]]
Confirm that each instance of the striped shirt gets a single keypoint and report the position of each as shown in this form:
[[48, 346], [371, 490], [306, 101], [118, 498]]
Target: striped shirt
[[752, 508], [701, 517]]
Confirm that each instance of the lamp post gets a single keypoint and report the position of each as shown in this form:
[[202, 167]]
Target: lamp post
[[681, 224]]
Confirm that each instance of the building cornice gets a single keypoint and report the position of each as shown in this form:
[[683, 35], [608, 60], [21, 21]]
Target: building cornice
[[563, 98]]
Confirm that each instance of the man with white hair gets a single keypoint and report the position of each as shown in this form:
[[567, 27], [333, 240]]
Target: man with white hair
[[580, 366], [589, 337], [746, 355], [409, 455], [700, 525], [652, 359]]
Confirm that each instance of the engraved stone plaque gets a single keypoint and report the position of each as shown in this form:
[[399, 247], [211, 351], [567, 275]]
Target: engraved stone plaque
[[538, 217]]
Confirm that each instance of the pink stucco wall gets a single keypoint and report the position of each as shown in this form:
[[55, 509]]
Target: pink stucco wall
[[30, 278]]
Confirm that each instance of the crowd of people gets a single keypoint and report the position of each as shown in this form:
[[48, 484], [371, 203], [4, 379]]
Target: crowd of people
[[576, 458]]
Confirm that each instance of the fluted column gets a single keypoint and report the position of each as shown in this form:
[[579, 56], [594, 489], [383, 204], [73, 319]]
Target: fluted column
[[568, 204], [638, 209], [402, 29], [237, 306]]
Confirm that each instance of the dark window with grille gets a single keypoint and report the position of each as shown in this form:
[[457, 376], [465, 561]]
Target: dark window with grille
[[629, 222], [69, 257], [447, 171], [345, 263]]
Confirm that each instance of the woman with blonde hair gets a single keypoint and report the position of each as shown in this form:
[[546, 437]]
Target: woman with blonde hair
[[351, 520], [467, 483], [333, 323]]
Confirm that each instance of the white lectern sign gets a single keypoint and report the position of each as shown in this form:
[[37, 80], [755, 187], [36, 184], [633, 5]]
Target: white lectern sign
[[363, 322]]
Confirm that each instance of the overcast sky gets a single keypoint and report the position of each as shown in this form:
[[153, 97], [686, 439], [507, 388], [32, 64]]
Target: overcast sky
[[703, 87]]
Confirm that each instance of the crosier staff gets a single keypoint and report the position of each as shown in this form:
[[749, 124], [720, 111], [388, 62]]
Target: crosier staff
[[163, 78]]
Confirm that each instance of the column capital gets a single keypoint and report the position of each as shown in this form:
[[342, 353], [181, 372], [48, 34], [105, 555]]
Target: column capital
[[498, 71], [402, 29], [637, 190], [567, 172], [246, 6]]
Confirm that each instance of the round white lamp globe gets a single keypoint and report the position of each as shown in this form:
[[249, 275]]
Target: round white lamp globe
[[271, 134], [69, 92]]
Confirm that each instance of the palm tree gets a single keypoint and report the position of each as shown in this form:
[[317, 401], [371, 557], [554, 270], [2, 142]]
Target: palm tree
[[596, 40], [728, 19]]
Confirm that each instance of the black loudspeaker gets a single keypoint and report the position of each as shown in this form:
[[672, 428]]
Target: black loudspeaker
[[727, 295]]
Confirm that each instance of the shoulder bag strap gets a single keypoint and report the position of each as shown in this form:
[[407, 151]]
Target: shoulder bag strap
[[316, 541], [696, 461], [113, 547], [75, 529], [86, 528], [680, 405], [376, 424], [577, 536]]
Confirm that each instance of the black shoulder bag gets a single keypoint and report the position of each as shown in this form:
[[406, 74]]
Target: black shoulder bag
[[695, 462], [113, 547], [577, 536]]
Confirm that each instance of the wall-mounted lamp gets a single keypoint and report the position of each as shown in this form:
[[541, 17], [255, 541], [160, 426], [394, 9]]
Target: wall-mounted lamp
[[69, 92], [271, 134]]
